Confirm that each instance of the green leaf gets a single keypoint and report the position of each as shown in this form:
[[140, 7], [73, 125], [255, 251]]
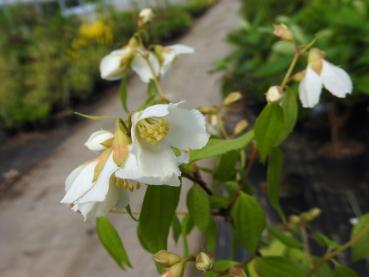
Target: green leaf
[[343, 271], [123, 94], [199, 207], [226, 167], [187, 224], [158, 210], [176, 228], [211, 236], [216, 147], [218, 201], [110, 239], [284, 237], [361, 248], [268, 128], [278, 267], [324, 240], [290, 112], [274, 176], [249, 221], [129, 211], [220, 265]]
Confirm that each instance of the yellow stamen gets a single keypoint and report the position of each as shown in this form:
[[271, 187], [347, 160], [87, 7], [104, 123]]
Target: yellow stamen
[[126, 184], [153, 129]]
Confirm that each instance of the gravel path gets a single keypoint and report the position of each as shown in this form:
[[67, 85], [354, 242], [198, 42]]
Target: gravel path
[[40, 237]]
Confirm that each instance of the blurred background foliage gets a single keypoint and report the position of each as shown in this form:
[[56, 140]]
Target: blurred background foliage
[[49, 63], [340, 26]]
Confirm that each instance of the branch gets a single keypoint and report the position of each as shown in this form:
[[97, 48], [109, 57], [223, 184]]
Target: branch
[[198, 180]]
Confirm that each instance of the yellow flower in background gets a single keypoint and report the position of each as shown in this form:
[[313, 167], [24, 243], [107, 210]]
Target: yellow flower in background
[[98, 31]]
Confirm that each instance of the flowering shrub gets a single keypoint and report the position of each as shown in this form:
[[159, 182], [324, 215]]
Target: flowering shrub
[[159, 143]]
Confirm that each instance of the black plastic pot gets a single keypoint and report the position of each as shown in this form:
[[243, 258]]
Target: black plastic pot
[[341, 173]]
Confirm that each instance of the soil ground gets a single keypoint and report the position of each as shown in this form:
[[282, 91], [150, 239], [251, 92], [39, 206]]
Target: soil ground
[[39, 236]]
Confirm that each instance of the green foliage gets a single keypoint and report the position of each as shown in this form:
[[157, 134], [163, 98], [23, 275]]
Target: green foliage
[[199, 207], [249, 221], [109, 237], [360, 249], [279, 267], [343, 271], [284, 237], [268, 128], [216, 147], [158, 211]]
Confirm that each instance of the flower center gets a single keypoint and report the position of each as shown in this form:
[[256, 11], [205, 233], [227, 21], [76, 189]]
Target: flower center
[[152, 129], [126, 184]]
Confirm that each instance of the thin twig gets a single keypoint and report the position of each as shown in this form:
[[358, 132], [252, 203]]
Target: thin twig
[[198, 180]]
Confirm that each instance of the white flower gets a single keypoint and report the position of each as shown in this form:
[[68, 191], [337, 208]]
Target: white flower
[[92, 188], [148, 65], [145, 16], [155, 132], [321, 73], [97, 140], [273, 94]]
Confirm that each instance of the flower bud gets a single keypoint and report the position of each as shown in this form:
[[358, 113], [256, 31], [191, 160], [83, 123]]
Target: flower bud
[[240, 126], [145, 16], [283, 32], [237, 272], [312, 214], [176, 270], [295, 219], [166, 258], [273, 94], [203, 262], [233, 97]]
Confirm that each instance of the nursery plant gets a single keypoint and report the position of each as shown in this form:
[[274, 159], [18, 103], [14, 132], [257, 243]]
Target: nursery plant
[[159, 144]]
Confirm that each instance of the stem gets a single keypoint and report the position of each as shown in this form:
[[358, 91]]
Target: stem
[[197, 179], [332, 254], [305, 240], [185, 245], [290, 68]]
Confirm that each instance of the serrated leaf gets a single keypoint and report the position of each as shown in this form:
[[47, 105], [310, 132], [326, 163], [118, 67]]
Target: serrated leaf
[[199, 207], [216, 147], [360, 249], [278, 267], [158, 210], [110, 239], [123, 93], [268, 127], [249, 221], [283, 237], [344, 271], [274, 177]]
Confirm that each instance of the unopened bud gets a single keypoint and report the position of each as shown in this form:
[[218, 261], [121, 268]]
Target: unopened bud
[[233, 97], [237, 272], [273, 94], [203, 262], [240, 126], [315, 59], [283, 32], [166, 258], [295, 219], [312, 214], [145, 16], [175, 270]]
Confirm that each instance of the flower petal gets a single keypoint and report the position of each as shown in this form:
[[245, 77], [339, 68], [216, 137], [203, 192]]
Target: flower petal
[[336, 80], [187, 128], [155, 166], [110, 66], [101, 187], [310, 88], [172, 52], [81, 183], [141, 67], [72, 176], [94, 142]]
